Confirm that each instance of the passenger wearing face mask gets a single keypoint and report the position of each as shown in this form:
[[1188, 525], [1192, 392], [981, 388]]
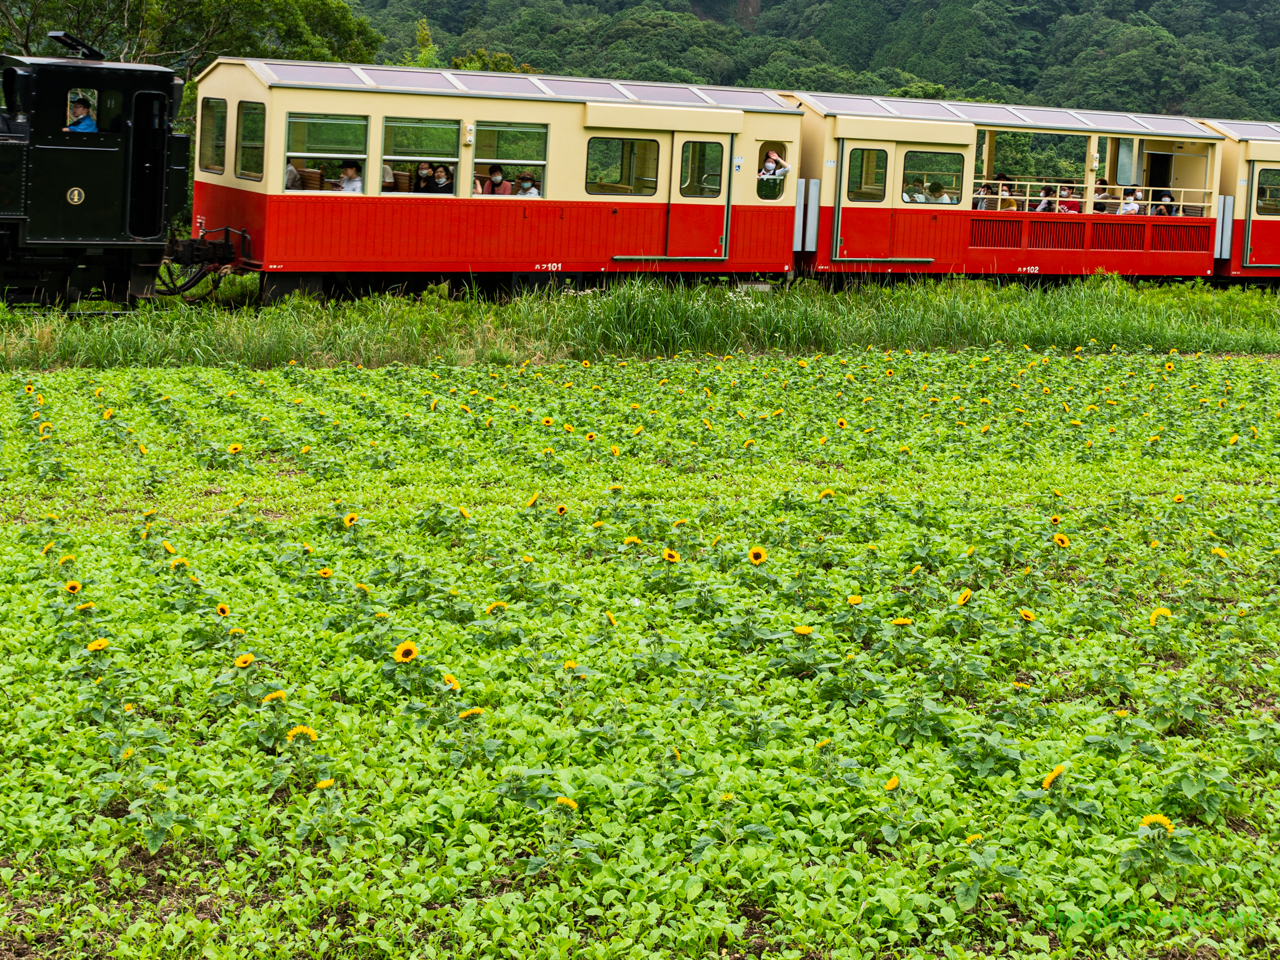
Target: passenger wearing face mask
[[497, 184], [527, 189], [423, 179], [774, 166], [440, 181]]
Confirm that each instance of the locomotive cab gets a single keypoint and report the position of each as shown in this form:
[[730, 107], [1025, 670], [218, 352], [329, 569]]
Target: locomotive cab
[[90, 173]]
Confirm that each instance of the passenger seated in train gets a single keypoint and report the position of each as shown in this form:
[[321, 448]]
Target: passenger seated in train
[[1128, 203], [81, 117], [980, 202], [388, 179], [936, 194], [424, 181], [1046, 204], [1006, 193], [292, 178], [441, 180], [774, 166], [913, 192], [495, 185], [1067, 202], [1102, 191], [527, 189], [1164, 206], [352, 181]]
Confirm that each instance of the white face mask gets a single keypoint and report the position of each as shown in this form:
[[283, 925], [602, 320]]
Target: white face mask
[[769, 165], [424, 172], [525, 185], [440, 178], [496, 178], [1004, 191]]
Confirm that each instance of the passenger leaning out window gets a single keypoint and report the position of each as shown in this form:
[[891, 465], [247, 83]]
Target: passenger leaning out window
[[774, 166], [496, 185], [81, 117], [351, 181]]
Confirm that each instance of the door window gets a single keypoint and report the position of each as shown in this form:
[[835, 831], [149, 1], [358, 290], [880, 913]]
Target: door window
[[1269, 193], [868, 171], [930, 177], [251, 134], [701, 166], [213, 135], [618, 166], [511, 159], [420, 156], [773, 167], [327, 152]]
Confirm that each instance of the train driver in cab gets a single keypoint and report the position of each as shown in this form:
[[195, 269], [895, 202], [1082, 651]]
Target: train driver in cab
[[81, 117]]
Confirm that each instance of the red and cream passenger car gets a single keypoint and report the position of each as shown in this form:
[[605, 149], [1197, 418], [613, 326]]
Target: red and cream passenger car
[[622, 176], [873, 160], [583, 178]]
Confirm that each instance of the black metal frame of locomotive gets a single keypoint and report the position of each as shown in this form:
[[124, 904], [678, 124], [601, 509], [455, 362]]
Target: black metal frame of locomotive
[[87, 213]]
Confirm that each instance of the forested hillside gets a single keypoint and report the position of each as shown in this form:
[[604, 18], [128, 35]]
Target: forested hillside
[[1176, 56]]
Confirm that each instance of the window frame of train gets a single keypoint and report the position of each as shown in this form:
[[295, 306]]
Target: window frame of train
[[392, 154], [631, 156], [881, 168], [247, 109], [687, 151], [514, 165], [954, 199], [1273, 184], [333, 158], [213, 135]]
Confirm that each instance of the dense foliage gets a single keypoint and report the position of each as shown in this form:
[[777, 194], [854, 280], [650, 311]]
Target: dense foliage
[[880, 654], [1179, 56]]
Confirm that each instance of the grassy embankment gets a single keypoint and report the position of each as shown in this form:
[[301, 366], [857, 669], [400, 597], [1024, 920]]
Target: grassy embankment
[[646, 319]]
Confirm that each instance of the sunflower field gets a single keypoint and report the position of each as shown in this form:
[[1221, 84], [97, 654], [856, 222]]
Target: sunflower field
[[876, 654]]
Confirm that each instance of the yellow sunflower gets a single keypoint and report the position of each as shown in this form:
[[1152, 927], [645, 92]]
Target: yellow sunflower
[[757, 555], [406, 652]]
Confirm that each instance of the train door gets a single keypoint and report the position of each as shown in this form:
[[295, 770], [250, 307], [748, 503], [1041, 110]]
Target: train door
[[863, 219], [1262, 233], [147, 180], [698, 210]]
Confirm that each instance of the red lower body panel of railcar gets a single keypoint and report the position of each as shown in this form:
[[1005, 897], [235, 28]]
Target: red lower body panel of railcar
[[953, 241], [389, 234]]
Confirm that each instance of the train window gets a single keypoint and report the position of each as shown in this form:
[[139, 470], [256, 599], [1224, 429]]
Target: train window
[[251, 140], [509, 155], [420, 156], [701, 165], [929, 177], [1269, 192], [213, 135], [868, 172], [326, 152], [773, 170], [87, 112], [618, 166]]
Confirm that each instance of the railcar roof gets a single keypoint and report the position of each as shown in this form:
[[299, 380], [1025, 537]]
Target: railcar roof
[[1249, 129], [78, 62], [1002, 115], [513, 86]]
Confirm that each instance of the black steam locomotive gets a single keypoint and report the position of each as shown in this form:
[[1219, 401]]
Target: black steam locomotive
[[91, 173]]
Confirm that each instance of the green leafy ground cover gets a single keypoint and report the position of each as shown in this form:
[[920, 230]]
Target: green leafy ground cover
[[868, 655]]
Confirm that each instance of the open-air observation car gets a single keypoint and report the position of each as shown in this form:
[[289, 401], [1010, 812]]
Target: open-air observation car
[[319, 165], [917, 186]]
